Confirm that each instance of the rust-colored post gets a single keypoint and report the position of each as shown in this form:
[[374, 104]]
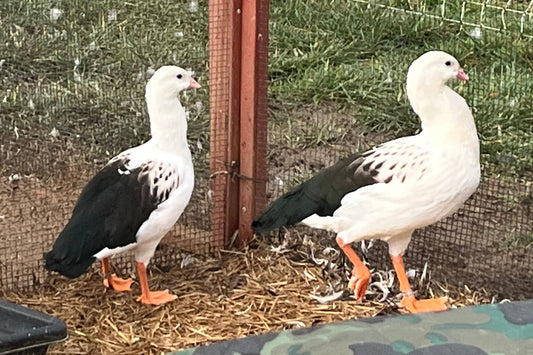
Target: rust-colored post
[[254, 76]]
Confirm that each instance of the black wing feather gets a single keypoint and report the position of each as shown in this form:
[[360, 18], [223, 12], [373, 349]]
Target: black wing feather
[[108, 213], [322, 194]]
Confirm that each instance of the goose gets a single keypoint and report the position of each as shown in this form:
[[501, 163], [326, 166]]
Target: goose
[[396, 187], [134, 200]]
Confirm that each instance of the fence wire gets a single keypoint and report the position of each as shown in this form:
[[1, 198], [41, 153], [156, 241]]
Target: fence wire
[[488, 243], [72, 81], [72, 96]]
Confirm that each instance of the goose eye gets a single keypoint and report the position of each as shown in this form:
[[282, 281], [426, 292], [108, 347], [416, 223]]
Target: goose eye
[[179, 76], [448, 63]]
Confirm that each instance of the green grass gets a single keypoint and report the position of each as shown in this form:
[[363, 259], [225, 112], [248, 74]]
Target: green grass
[[356, 56], [84, 74], [512, 241]]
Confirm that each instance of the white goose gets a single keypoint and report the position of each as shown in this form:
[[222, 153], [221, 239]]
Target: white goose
[[408, 183], [137, 197]]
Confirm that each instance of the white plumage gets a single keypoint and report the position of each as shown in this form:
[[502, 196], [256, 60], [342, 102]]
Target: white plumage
[[399, 186], [137, 197], [428, 176]]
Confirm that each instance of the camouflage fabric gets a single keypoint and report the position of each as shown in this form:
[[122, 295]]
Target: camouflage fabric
[[505, 328]]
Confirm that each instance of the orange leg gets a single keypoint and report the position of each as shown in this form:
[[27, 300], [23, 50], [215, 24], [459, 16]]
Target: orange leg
[[360, 273], [151, 297], [409, 301], [112, 280]]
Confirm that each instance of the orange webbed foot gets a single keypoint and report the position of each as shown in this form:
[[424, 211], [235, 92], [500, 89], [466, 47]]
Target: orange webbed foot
[[156, 298], [117, 283], [418, 306], [359, 281]]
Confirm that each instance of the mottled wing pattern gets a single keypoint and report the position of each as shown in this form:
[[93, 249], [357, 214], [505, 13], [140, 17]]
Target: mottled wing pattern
[[395, 161], [163, 179], [160, 177]]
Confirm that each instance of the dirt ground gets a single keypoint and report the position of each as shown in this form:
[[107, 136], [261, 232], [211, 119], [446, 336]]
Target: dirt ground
[[487, 243], [275, 284], [240, 293], [479, 255]]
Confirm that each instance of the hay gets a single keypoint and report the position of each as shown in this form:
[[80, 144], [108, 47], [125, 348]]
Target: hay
[[261, 289]]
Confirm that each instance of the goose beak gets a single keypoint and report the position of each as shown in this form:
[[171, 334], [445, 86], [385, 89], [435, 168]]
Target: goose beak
[[193, 84], [461, 75]]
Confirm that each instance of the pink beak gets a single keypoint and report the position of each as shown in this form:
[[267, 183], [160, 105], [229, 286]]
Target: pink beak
[[461, 75], [193, 84]]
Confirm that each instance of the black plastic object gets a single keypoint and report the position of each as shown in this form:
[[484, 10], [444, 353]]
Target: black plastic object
[[26, 331]]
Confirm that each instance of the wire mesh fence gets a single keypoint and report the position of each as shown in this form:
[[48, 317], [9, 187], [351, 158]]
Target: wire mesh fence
[[222, 56], [72, 96], [73, 75], [486, 244]]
